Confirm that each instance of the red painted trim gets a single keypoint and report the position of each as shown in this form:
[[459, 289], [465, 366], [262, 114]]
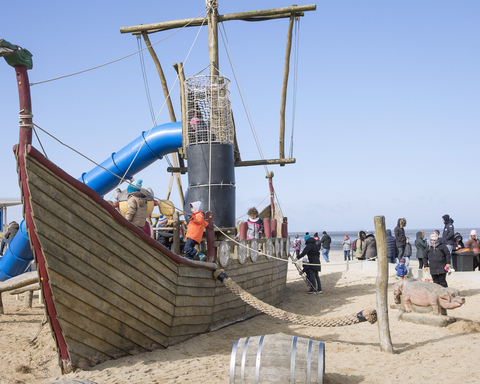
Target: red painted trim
[[39, 257], [210, 236], [115, 214], [25, 136]]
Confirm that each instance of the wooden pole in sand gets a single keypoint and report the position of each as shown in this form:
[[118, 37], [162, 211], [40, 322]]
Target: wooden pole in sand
[[382, 285]]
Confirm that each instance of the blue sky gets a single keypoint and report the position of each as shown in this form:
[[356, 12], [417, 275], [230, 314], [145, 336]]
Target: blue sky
[[387, 102]]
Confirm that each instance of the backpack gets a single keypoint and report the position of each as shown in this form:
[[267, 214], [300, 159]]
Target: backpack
[[354, 246]]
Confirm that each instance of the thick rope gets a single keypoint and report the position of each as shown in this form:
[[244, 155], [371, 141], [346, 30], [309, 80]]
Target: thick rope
[[366, 315]]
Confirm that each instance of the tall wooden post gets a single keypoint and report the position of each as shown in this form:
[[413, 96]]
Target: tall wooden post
[[163, 80], [382, 285], [284, 87], [272, 194], [176, 233], [212, 6]]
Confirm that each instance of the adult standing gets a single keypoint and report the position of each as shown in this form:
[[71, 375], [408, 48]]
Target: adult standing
[[12, 230], [346, 248], [400, 239], [325, 242], [448, 232], [391, 247], [437, 258], [421, 245], [360, 245], [474, 244], [370, 250], [313, 254]]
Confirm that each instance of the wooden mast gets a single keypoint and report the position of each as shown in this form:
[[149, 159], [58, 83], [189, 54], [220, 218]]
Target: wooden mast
[[213, 19], [212, 13]]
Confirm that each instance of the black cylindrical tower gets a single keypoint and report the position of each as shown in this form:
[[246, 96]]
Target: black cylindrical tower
[[216, 191], [209, 136]]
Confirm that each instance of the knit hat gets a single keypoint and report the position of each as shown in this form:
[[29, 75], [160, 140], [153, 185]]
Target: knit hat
[[402, 260], [162, 221], [473, 232], [135, 186], [346, 237]]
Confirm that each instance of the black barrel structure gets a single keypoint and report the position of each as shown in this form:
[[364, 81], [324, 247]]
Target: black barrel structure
[[211, 172], [277, 359]]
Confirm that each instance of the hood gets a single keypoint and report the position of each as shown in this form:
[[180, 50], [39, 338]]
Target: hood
[[308, 237], [420, 235], [448, 219], [402, 222], [389, 232], [310, 240], [196, 205]]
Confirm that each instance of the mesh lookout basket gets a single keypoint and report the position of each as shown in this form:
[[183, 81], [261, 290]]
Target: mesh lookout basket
[[209, 114]]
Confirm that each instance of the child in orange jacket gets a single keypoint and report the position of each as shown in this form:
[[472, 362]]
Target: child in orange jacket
[[195, 232]]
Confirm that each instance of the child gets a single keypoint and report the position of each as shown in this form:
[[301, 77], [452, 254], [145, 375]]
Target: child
[[408, 251], [254, 224], [297, 243], [195, 232], [401, 270]]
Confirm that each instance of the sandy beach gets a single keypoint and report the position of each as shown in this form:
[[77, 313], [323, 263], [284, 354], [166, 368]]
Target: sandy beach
[[422, 353]]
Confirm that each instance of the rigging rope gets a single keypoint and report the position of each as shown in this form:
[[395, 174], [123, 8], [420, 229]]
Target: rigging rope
[[122, 58], [153, 125], [240, 91]]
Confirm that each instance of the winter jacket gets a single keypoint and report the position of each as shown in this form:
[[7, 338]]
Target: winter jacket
[[137, 209], [370, 249], [313, 254], [448, 230], [325, 241], [360, 245], [401, 270], [297, 244], [400, 233], [197, 224], [254, 228], [436, 257], [347, 246], [11, 231], [474, 245], [420, 244], [391, 245], [408, 250]]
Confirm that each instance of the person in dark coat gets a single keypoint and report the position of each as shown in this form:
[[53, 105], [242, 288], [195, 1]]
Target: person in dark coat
[[325, 242], [400, 237], [391, 247], [437, 258], [448, 232], [458, 242], [421, 245], [9, 235], [313, 254], [370, 250]]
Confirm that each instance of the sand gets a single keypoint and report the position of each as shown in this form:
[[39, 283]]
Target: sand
[[422, 353]]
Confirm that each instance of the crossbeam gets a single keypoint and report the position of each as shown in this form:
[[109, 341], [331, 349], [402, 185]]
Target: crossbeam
[[260, 15]]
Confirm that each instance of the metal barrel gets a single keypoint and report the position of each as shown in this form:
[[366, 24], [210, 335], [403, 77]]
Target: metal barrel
[[277, 359]]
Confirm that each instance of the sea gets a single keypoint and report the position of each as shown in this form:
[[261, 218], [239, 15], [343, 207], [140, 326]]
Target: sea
[[337, 237]]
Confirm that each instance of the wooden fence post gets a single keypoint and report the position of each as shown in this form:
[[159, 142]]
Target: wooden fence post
[[176, 233], [382, 285]]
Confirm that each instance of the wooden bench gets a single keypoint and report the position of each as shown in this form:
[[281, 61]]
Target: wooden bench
[[25, 280]]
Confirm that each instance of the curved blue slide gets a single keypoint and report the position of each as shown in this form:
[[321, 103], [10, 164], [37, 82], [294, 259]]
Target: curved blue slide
[[134, 157]]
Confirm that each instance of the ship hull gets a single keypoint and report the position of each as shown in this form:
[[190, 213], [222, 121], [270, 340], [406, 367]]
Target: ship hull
[[112, 291]]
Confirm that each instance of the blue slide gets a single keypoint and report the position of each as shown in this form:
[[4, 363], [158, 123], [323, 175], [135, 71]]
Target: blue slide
[[161, 140]]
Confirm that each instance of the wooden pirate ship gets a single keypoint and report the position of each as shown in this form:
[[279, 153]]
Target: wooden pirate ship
[[111, 290]]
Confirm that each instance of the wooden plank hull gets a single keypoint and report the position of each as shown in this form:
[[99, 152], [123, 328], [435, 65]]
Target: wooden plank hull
[[110, 290]]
